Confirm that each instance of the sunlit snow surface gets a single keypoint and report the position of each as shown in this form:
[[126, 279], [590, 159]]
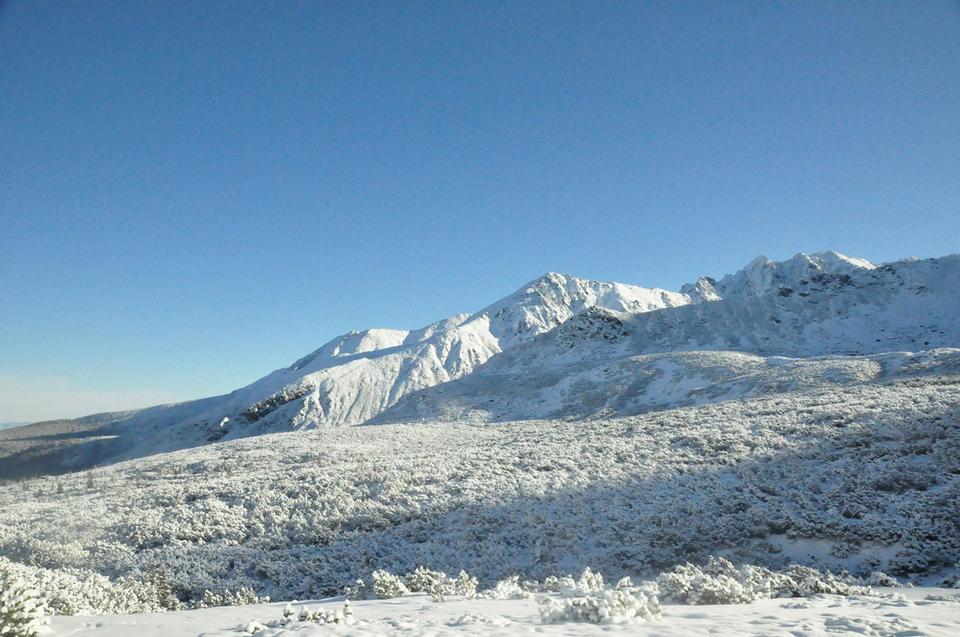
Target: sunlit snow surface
[[906, 613]]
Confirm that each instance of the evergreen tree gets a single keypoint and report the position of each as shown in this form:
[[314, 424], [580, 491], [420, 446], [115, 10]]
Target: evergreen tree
[[158, 578], [21, 613]]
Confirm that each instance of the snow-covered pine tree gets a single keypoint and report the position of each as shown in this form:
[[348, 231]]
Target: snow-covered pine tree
[[158, 578], [21, 613]]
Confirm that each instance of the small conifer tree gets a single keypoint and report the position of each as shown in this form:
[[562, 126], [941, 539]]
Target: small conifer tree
[[158, 578], [21, 613]]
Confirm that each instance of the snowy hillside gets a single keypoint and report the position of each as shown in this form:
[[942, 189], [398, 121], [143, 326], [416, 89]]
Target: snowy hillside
[[609, 383], [862, 477]]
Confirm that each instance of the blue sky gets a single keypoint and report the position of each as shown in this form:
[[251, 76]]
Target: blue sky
[[196, 193]]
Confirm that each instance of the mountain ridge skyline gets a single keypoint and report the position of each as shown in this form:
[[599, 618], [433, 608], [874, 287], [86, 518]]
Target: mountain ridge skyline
[[832, 256]]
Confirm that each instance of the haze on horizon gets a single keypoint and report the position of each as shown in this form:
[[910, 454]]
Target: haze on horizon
[[195, 195]]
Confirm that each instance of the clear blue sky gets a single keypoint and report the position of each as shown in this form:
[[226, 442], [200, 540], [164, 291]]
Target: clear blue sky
[[195, 193]]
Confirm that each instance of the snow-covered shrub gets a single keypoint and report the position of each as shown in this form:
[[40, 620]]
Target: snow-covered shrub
[[463, 585], [804, 581], [509, 588], [290, 618], [588, 583], [941, 597], [690, 584], [439, 585], [720, 582], [386, 585], [756, 474], [357, 590], [83, 592], [319, 616], [252, 627], [953, 581], [21, 611], [550, 584], [605, 606], [158, 578], [879, 578], [422, 580], [241, 597]]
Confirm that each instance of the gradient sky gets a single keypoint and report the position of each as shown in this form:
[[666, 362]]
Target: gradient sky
[[193, 194]]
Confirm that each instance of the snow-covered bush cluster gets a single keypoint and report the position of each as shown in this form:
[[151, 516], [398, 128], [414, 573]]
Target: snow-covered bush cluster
[[21, 610], [511, 588], [242, 597], [73, 591], [386, 585], [862, 477], [879, 578], [318, 615], [291, 620], [588, 600], [720, 582], [437, 584]]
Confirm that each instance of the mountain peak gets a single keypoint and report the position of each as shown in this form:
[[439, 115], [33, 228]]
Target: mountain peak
[[765, 276], [553, 298], [759, 262], [838, 258], [553, 276], [703, 290]]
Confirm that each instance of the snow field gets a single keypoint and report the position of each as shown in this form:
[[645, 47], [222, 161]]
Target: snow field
[[905, 613]]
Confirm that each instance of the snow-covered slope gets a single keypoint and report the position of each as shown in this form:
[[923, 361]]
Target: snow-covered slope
[[356, 376], [860, 477], [597, 387], [839, 320]]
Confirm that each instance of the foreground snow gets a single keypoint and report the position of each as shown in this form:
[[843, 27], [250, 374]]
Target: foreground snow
[[901, 612]]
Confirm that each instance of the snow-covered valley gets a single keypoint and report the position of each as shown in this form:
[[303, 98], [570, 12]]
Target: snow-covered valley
[[797, 414]]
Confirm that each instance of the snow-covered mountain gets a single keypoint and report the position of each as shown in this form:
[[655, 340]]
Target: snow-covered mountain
[[772, 327], [347, 381], [764, 276], [356, 376], [566, 347]]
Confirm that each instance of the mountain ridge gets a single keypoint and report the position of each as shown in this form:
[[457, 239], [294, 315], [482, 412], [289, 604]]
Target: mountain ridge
[[557, 329], [845, 315]]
